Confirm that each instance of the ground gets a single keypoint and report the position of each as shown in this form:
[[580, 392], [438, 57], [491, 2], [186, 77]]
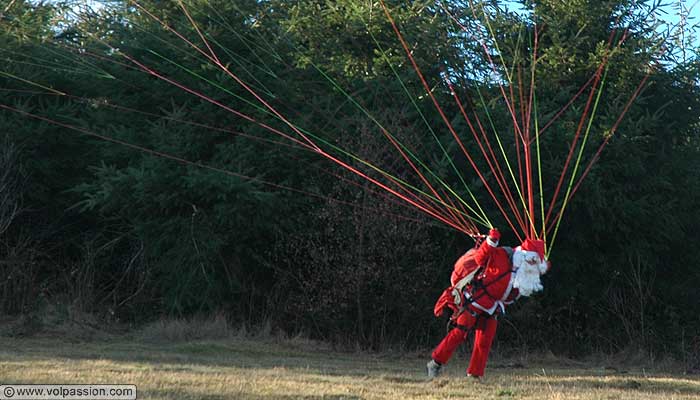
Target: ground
[[265, 369]]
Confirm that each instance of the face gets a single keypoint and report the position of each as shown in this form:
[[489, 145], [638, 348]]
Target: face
[[531, 259]]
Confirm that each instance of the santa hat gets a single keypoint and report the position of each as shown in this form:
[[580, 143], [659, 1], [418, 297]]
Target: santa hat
[[536, 246]]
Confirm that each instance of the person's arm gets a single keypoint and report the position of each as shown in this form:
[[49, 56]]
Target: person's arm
[[491, 242]]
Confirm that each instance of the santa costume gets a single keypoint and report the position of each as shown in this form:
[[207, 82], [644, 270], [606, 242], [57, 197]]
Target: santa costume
[[484, 281]]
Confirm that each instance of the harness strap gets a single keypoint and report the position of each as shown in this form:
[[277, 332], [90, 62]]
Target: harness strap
[[478, 284], [479, 316]]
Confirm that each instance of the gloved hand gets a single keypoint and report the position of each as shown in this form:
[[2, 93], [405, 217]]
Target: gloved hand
[[493, 237]]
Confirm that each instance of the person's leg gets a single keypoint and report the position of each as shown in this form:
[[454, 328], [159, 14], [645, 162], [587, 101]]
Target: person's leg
[[454, 338], [485, 331]]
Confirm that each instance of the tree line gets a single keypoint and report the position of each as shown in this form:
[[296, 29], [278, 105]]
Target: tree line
[[265, 232]]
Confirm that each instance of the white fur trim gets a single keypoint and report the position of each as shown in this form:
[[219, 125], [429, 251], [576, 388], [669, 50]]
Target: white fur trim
[[527, 268], [492, 243], [484, 309]]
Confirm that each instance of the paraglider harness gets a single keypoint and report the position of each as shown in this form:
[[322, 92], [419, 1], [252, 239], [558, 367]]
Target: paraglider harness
[[465, 287], [471, 283]]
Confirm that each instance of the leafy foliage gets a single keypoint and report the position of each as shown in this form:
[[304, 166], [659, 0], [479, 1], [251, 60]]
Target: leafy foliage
[[142, 198]]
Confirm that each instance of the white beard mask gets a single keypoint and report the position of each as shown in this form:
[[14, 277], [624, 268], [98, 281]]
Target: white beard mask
[[527, 274]]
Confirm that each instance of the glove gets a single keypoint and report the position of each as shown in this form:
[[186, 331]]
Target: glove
[[494, 237]]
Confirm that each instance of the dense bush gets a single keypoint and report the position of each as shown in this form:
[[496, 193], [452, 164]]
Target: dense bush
[[131, 198]]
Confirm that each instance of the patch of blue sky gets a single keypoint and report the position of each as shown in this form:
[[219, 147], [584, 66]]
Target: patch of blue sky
[[673, 15]]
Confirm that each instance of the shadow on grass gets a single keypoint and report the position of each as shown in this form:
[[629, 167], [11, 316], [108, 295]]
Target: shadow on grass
[[180, 357]]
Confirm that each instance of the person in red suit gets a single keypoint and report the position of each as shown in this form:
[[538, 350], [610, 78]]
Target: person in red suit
[[484, 281]]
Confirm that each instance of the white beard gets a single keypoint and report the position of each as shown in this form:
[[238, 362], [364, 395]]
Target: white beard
[[527, 276]]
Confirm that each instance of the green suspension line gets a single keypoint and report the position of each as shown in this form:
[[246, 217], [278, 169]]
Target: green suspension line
[[320, 139], [481, 213], [578, 160]]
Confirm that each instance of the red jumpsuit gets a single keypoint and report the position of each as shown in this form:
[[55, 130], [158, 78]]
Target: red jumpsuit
[[495, 291]]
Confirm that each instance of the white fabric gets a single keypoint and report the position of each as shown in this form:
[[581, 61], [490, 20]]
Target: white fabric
[[484, 309], [456, 294], [467, 279], [527, 268]]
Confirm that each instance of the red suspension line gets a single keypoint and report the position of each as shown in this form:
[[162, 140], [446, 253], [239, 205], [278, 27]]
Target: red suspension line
[[200, 165], [521, 95], [498, 166], [516, 126], [310, 142], [572, 146], [568, 104], [496, 170], [528, 155], [596, 156], [196, 28], [314, 149], [491, 63], [588, 83], [197, 124], [370, 189], [215, 60], [517, 130], [453, 215], [519, 143], [513, 101], [252, 137], [210, 100], [390, 190], [246, 117], [469, 226], [441, 112], [582, 121], [298, 132]]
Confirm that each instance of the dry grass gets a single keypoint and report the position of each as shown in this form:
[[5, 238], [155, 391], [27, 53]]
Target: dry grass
[[175, 330], [240, 368]]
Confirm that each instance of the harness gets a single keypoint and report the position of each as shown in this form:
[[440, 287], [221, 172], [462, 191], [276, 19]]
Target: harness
[[468, 299], [479, 284]]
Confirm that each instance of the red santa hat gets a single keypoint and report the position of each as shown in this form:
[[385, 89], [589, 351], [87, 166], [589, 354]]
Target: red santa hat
[[536, 246]]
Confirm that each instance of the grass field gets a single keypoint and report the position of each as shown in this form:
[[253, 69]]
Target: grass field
[[240, 368]]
